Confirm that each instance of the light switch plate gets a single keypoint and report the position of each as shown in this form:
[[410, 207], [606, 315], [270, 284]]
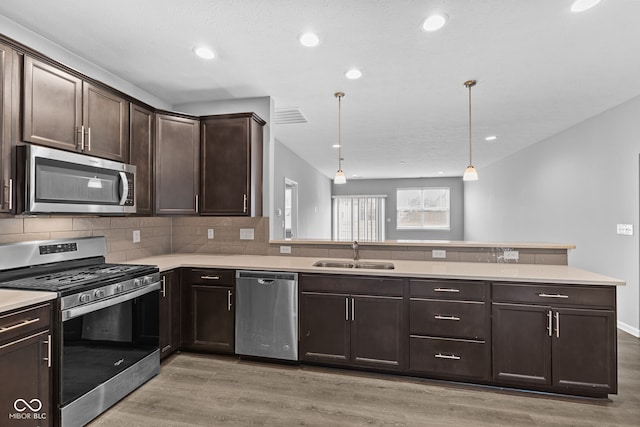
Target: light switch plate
[[246, 233], [136, 236], [625, 229], [210, 233], [512, 255], [285, 249], [438, 253]]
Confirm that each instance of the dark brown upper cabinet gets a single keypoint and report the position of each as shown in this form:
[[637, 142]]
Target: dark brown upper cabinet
[[62, 111], [177, 172], [141, 156], [9, 92], [231, 165]]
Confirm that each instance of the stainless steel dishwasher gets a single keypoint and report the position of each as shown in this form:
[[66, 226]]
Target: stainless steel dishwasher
[[267, 314]]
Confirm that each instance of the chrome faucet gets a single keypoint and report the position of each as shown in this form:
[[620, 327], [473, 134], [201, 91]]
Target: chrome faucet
[[356, 250]]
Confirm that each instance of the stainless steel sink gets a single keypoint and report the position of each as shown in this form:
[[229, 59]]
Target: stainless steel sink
[[334, 264], [375, 265], [356, 264]]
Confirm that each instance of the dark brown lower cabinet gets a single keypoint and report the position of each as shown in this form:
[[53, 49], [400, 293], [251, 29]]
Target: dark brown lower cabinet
[[209, 310], [170, 304], [24, 367], [563, 349], [351, 329]]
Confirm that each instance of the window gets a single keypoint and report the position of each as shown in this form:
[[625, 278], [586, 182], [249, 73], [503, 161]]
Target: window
[[358, 218], [423, 208]]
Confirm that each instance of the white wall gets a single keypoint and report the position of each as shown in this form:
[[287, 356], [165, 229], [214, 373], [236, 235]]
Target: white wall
[[571, 188], [314, 195]]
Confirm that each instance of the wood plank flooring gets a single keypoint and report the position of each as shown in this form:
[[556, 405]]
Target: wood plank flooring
[[204, 390]]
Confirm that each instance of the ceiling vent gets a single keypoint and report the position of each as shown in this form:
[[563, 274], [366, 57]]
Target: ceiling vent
[[289, 116]]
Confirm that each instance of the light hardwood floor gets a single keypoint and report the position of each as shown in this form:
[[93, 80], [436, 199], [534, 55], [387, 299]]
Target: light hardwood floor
[[204, 390]]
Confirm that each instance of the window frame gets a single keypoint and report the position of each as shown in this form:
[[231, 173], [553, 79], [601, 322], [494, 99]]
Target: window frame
[[423, 210]]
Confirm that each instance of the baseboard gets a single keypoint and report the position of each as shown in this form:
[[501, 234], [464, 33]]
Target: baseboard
[[629, 329]]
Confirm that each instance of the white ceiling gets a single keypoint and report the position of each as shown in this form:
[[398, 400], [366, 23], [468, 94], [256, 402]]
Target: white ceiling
[[540, 68]]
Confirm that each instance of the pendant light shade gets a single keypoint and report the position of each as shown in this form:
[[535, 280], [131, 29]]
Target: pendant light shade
[[470, 174], [339, 178]]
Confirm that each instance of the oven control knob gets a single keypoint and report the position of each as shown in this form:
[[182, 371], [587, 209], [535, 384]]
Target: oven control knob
[[99, 293], [119, 287], [84, 298], [147, 280], [136, 283]]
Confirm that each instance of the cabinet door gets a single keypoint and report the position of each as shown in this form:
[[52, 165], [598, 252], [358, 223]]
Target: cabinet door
[[169, 314], [141, 156], [106, 121], [8, 116], [521, 343], [584, 350], [52, 106], [213, 318], [377, 331], [325, 327], [177, 176], [225, 166], [25, 375]]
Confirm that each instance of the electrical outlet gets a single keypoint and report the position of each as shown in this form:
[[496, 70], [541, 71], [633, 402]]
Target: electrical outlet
[[246, 234], [511, 255], [285, 249], [136, 236], [625, 229], [438, 253], [210, 233]]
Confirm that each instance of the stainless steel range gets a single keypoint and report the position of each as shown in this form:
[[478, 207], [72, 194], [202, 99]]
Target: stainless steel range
[[105, 333]]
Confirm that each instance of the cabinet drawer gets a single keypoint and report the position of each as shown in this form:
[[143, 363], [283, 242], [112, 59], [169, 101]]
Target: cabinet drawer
[[443, 289], [209, 276], [595, 296], [447, 318], [448, 357], [347, 284], [23, 322]]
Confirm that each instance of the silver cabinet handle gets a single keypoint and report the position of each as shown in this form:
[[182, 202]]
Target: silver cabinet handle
[[446, 290], [19, 325], [210, 277], [164, 286], [10, 195], [543, 295], [346, 308], [557, 315], [88, 139], [353, 309], [229, 300], [447, 356], [549, 323], [244, 203], [48, 358], [439, 317], [81, 139], [197, 204]]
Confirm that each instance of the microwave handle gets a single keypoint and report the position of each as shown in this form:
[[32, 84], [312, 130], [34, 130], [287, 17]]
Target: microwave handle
[[124, 188]]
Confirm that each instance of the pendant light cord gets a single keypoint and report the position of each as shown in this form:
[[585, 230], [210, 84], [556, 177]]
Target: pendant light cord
[[339, 95], [469, 84]]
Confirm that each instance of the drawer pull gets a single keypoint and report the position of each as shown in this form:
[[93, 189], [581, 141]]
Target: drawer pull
[[210, 277], [446, 290], [543, 295], [439, 317], [447, 356], [19, 325]]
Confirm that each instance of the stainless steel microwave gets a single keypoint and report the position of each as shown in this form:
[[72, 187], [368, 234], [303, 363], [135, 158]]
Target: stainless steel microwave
[[56, 181]]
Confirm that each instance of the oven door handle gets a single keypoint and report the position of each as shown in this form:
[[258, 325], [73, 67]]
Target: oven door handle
[[98, 305]]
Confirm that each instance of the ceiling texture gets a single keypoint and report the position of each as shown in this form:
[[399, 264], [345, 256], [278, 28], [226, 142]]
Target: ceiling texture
[[540, 68]]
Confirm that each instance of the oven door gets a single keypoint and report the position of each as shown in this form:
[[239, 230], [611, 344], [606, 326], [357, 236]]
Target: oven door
[[108, 349]]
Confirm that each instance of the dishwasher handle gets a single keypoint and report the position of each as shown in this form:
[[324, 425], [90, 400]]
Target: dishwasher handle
[[266, 281], [266, 277]]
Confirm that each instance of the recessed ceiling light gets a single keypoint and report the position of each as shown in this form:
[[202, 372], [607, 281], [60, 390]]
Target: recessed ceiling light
[[355, 175], [491, 138], [204, 52], [440, 172], [336, 145], [309, 39], [582, 5], [353, 74], [434, 22]]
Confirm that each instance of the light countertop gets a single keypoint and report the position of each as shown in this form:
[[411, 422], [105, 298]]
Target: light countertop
[[535, 273], [11, 299]]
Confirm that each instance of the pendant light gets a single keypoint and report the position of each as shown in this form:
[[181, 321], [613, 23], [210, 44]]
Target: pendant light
[[339, 178], [470, 173]]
